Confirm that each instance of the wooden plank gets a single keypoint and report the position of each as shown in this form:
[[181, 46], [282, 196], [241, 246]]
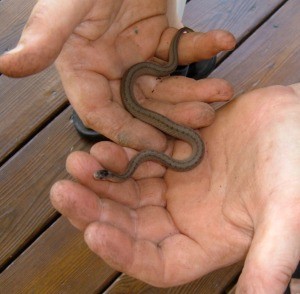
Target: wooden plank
[[15, 14], [238, 17], [270, 56], [59, 262], [247, 68], [213, 283], [25, 104], [25, 181]]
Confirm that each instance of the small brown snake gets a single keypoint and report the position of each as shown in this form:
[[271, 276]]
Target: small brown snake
[[157, 120]]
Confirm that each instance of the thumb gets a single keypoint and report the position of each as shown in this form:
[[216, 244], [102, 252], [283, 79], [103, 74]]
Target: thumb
[[273, 256], [49, 26]]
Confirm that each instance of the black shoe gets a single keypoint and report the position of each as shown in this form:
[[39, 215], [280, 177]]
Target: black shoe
[[85, 132]]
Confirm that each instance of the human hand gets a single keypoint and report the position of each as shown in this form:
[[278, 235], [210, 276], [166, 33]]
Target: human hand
[[168, 228], [94, 42]]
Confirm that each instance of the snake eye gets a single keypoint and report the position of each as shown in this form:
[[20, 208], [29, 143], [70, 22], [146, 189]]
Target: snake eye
[[101, 174], [104, 173]]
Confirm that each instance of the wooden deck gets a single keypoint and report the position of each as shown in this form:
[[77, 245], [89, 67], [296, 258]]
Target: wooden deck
[[40, 252]]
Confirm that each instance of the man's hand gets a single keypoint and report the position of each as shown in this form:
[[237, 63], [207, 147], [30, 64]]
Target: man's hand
[[243, 201], [95, 41]]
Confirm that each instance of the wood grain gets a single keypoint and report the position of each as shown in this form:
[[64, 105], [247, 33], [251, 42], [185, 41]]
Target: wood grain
[[59, 262], [214, 283], [270, 56], [25, 181], [13, 16], [25, 104], [238, 17]]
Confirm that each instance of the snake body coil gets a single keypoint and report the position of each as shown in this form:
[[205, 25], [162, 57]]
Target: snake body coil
[[157, 120]]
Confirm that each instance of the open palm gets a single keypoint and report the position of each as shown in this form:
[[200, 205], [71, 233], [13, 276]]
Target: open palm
[[168, 228], [95, 41]]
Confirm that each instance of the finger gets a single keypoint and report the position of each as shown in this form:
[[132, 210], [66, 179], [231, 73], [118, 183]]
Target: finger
[[79, 204], [139, 193], [176, 89], [98, 104], [192, 114], [274, 254], [82, 207], [179, 98], [296, 88], [175, 260], [295, 286], [114, 157], [49, 26], [196, 46]]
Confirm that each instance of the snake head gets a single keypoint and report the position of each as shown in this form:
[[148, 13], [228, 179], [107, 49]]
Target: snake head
[[102, 174], [106, 175]]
